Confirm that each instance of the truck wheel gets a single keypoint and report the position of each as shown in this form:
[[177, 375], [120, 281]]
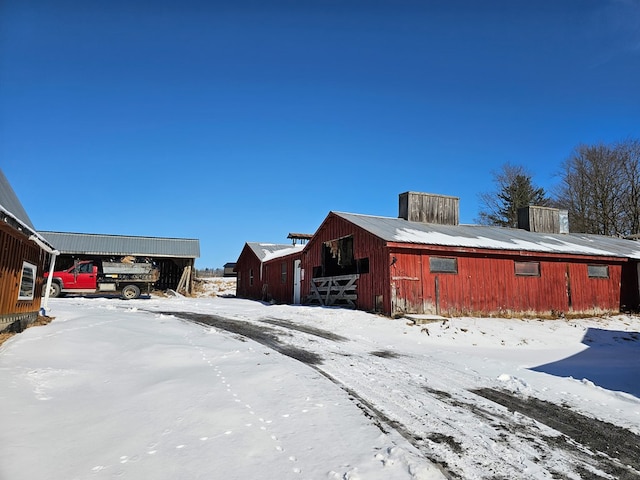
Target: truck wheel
[[55, 290], [130, 292]]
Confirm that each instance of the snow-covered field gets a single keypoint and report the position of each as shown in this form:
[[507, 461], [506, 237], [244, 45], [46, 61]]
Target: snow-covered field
[[138, 389]]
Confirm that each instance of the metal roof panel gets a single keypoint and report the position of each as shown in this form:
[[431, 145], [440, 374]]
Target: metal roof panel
[[489, 237], [11, 204], [98, 244]]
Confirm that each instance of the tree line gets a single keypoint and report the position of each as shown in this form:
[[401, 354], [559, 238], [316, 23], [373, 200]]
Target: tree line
[[599, 187]]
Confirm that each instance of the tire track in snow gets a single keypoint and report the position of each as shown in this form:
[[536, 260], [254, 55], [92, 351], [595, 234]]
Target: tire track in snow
[[434, 421]]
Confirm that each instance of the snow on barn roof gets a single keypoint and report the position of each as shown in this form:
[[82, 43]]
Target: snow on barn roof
[[494, 238], [269, 251]]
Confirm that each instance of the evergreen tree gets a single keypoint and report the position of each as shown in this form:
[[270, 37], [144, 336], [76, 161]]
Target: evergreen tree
[[514, 190]]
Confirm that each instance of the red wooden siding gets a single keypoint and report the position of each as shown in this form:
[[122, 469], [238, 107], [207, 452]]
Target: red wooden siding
[[16, 248], [490, 285], [274, 288], [594, 294], [486, 283], [407, 284], [267, 282], [248, 266]]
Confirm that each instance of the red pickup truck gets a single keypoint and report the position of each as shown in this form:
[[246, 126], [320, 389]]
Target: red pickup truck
[[89, 276]]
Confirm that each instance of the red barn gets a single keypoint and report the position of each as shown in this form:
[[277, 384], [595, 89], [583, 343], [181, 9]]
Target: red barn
[[269, 272], [424, 262]]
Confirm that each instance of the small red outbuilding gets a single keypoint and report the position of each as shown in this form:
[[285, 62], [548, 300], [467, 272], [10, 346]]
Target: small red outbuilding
[[269, 272]]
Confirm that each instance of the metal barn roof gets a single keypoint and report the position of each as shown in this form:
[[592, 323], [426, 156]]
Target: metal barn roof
[[269, 251], [96, 244], [10, 203], [496, 238]]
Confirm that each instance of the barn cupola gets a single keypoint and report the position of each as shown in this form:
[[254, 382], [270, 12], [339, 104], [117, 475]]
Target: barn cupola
[[429, 208], [543, 219]]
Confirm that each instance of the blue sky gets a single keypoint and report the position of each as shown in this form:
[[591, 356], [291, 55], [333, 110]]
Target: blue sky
[[243, 121]]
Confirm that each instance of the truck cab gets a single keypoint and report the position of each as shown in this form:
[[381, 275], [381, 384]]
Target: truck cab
[[81, 278]]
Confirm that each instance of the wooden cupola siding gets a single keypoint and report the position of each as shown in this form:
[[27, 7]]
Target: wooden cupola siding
[[543, 219], [429, 208]]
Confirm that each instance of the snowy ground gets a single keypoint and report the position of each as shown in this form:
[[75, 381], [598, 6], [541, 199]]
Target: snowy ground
[[138, 389]]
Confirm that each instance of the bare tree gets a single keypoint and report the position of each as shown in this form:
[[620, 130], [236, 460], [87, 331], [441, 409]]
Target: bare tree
[[600, 188], [629, 152], [514, 189]]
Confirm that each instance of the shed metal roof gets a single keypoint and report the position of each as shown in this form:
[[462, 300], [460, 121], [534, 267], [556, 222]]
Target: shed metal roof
[[10, 203], [496, 238], [96, 244]]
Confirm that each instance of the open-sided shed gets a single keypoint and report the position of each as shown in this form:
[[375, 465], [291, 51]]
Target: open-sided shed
[[171, 255], [24, 256]]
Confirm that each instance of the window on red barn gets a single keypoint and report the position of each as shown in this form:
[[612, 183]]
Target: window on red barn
[[598, 271], [443, 265], [527, 269]]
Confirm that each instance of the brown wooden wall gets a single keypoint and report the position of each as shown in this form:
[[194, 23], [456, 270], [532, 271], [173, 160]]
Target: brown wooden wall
[[15, 248], [372, 287]]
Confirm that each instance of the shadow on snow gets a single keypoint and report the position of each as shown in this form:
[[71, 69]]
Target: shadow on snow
[[611, 361]]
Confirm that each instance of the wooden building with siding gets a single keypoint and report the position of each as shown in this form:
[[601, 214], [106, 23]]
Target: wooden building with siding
[[424, 262], [269, 272], [24, 257]]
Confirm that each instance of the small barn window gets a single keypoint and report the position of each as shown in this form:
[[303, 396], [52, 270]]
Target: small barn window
[[283, 272], [598, 271], [443, 265], [363, 265], [527, 269], [27, 281], [251, 277]]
